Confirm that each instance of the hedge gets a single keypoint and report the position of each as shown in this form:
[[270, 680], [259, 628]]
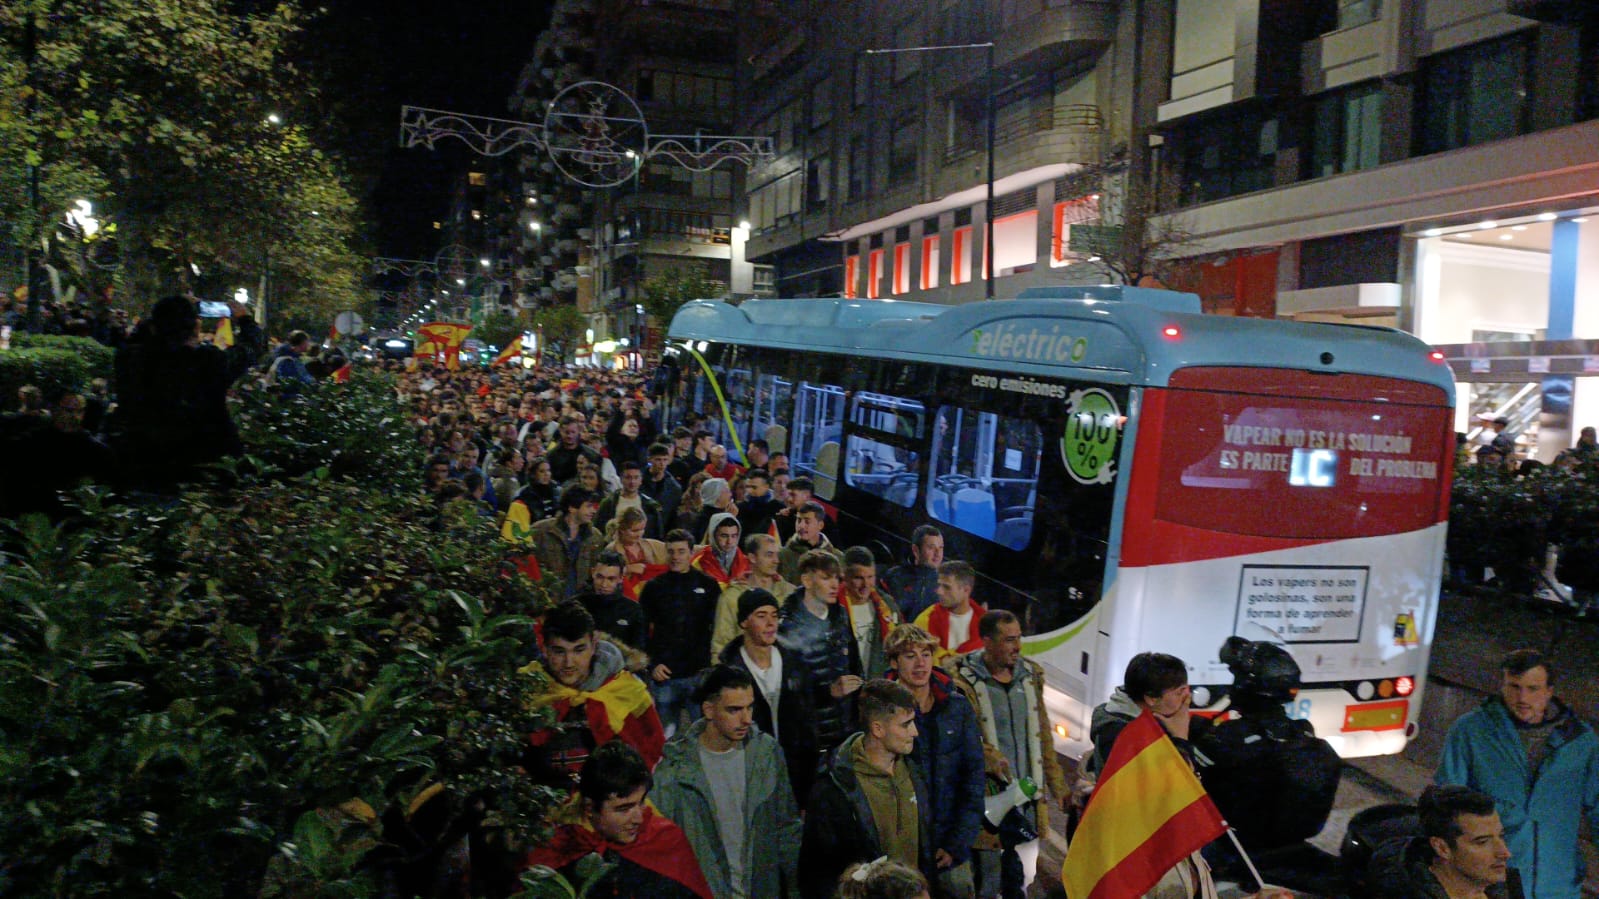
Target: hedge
[[54, 363]]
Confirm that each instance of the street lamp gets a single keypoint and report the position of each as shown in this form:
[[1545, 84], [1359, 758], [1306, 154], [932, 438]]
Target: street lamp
[[988, 113]]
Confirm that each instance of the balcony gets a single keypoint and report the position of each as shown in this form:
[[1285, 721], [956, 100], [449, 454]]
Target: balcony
[[1063, 132]]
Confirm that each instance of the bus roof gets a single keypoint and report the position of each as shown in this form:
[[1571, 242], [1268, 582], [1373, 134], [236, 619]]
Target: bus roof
[[1121, 334]]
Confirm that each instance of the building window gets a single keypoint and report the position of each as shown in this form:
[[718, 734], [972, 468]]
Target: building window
[[476, 179], [852, 272], [1348, 131], [818, 183], [683, 89], [874, 274], [902, 147], [960, 255], [1227, 155], [1071, 212], [1015, 243], [773, 204], [908, 33], [1358, 12], [930, 262], [902, 269], [858, 163], [821, 103], [863, 80], [1477, 94]]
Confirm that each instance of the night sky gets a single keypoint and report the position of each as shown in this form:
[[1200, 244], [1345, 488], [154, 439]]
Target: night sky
[[373, 56]]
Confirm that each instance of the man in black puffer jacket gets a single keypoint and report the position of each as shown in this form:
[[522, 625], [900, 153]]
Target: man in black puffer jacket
[[1462, 852], [817, 629]]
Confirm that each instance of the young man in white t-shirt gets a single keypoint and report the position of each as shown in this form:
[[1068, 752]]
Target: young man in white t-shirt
[[953, 620]]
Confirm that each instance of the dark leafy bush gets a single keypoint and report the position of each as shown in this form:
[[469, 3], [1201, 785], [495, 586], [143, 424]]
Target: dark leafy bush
[[354, 430], [97, 357], [52, 370], [1505, 521], [245, 693]]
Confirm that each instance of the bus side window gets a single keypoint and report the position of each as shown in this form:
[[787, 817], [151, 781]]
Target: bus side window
[[814, 441], [774, 406], [878, 467], [984, 477]]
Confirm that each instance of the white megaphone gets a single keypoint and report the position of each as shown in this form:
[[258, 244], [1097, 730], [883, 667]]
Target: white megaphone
[[1020, 792]]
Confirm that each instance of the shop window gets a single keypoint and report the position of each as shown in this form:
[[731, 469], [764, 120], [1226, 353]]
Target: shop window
[[1080, 211], [902, 269], [877, 460], [852, 265], [960, 255], [984, 477], [874, 274], [1015, 243], [930, 262]]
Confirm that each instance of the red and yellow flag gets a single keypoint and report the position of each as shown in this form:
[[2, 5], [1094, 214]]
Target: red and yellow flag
[[1147, 814], [342, 375], [513, 350], [224, 335], [441, 342]]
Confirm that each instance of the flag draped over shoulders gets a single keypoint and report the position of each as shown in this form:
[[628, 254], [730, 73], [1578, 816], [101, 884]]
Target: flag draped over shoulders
[[1148, 813]]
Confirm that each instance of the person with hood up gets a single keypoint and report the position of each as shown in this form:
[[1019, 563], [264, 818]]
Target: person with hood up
[[716, 497], [720, 557]]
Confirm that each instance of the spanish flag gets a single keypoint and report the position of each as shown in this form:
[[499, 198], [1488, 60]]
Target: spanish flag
[[1147, 813], [513, 350], [224, 335], [441, 342]]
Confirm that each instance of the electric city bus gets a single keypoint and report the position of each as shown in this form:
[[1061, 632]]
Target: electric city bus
[[1124, 472]]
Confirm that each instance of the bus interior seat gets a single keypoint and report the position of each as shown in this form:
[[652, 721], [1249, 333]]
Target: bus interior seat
[[974, 511], [826, 476], [777, 438], [1015, 532], [938, 505], [902, 490]]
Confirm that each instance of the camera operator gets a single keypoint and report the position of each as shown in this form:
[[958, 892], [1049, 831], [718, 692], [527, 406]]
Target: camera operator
[[172, 415]]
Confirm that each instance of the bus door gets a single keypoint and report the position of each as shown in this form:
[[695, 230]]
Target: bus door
[[816, 441]]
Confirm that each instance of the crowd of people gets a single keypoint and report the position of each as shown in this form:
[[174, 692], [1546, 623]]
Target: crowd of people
[[741, 708], [805, 719]]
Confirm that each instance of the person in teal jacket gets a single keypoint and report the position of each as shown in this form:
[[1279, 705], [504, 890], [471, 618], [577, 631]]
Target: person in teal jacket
[[725, 783], [1540, 763]]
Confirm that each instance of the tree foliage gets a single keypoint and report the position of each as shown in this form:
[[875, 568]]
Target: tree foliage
[[160, 112], [499, 328], [560, 324], [665, 294], [1138, 242]]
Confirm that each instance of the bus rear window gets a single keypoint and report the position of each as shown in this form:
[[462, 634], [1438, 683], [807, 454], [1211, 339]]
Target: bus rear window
[[1299, 467]]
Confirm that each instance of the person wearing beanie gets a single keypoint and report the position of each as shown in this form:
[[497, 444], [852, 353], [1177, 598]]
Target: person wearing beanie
[[762, 550], [715, 497], [720, 557], [783, 705]]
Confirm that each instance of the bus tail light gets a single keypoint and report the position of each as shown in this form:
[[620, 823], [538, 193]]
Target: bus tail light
[[1405, 686], [1385, 688], [1171, 332], [1436, 356]]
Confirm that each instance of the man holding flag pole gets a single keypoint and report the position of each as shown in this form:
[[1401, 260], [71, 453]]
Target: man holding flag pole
[[1149, 816]]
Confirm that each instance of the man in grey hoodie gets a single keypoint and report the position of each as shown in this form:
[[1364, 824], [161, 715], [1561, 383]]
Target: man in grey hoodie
[[725, 783]]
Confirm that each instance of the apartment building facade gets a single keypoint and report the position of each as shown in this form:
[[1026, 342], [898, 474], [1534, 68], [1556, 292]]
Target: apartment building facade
[[879, 185], [1424, 164]]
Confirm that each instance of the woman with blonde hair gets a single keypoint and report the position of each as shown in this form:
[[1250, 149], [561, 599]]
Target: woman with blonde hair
[[643, 557], [882, 879]]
